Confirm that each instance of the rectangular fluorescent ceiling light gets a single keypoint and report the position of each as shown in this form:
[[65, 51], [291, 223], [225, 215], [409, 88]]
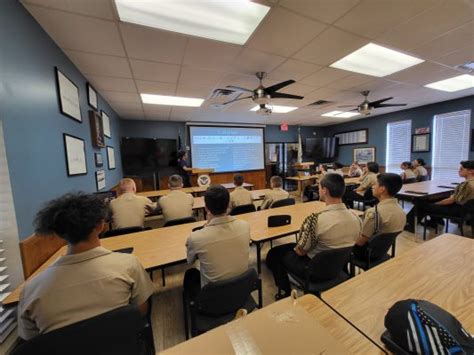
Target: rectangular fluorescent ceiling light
[[376, 60], [457, 83], [171, 100], [277, 109], [227, 21], [340, 114]]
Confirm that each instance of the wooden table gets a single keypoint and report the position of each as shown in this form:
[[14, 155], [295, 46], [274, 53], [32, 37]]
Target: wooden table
[[352, 180], [284, 327], [301, 180], [440, 271]]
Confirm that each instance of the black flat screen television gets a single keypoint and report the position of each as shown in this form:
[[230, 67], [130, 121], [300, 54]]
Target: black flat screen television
[[322, 149]]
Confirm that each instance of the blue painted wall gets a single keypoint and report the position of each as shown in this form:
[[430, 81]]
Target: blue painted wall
[[33, 125], [420, 116]]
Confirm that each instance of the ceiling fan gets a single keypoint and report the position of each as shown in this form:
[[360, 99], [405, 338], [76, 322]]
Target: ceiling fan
[[367, 106], [262, 95]]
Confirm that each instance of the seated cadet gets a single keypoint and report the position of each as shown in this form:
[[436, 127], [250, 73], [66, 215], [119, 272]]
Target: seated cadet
[[129, 210], [355, 170], [334, 227], [276, 194], [177, 204], [407, 175], [366, 183], [419, 168], [336, 169], [86, 282], [222, 246], [240, 195], [386, 217], [451, 206]]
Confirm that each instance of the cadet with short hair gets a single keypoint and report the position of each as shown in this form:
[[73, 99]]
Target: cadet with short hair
[[177, 204], [240, 195], [277, 193], [366, 183]]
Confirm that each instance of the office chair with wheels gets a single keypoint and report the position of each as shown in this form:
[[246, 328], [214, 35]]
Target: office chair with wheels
[[121, 231], [285, 202], [242, 209], [177, 221]]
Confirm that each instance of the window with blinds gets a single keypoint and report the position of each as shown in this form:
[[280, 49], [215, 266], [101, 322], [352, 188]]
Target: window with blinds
[[10, 264], [398, 145], [450, 143]]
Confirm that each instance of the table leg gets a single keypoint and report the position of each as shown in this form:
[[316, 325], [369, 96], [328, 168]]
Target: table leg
[[163, 276], [259, 257], [415, 218]]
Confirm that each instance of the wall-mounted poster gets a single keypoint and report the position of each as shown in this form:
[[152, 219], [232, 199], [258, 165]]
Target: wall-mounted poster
[[92, 97], [75, 155], [100, 179], [420, 143], [106, 124], [98, 160], [360, 136], [111, 157], [364, 155], [68, 94]]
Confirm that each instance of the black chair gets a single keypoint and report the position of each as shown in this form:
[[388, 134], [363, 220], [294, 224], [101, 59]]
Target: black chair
[[376, 252], [324, 271], [368, 199], [122, 331], [177, 221], [242, 209], [218, 302], [121, 231], [285, 202], [421, 178]]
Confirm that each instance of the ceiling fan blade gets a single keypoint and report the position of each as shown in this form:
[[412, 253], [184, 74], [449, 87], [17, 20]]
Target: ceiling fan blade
[[280, 95], [376, 102], [389, 105], [237, 99], [347, 106], [238, 88], [271, 89]]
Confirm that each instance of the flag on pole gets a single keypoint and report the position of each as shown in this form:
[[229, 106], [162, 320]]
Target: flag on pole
[[300, 147]]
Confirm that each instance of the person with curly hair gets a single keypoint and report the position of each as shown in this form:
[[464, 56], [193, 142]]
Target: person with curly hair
[[86, 282]]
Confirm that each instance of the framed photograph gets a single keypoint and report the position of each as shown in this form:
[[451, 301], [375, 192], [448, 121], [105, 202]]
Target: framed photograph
[[106, 124], [75, 150], [92, 96], [97, 129], [420, 143], [68, 95], [98, 160], [111, 158], [100, 179], [360, 136], [364, 155]]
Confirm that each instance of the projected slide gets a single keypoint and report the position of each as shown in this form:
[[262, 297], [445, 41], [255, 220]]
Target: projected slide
[[226, 149]]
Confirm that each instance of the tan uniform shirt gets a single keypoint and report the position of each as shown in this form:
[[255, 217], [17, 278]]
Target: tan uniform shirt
[[78, 287], [334, 227], [240, 196], [355, 172], [420, 171], [334, 171], [222, 247], [177, 204], [391, 218], [129, 210], [272, 196], [367, 182], [408, 174], [464, 192]]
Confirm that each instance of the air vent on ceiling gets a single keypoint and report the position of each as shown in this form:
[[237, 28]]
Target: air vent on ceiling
[[219, 96], [467, 66], [320, 103]]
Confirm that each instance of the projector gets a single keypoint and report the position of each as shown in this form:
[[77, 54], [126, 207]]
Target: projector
[[264, 111]]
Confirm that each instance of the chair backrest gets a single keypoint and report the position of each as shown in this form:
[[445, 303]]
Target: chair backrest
[[223, 297], [115, 332], [422, 178], [36, 249], [328, 264], [175, 222], [121, 231], [242, 209], [409, 181], [468, 209], [285, 202], [368, 194], [379, 244]]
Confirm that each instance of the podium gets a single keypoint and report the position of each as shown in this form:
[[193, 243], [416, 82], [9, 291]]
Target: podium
[[195, 173]]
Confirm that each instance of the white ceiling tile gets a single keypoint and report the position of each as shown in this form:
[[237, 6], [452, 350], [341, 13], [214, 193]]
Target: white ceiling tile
[[195, 91], [127, 106], [111, 83], [457, 57], [153, 71], [325, 76], [297, 89], [250, 61], [154, 87], [93, 8], [125, 97], [422, 74], [283, 32], [294, 69], [99, 64], [182, 113], [208, 54], [155, 45], [132, 115], [203, 77], [78, 32], [351, 81], [330, 46], [157, 112], [321, 10]]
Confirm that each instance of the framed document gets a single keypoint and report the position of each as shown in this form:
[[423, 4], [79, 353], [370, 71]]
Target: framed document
[[75, 155], [106, 124], [420, 143], [100, 179], [111, 158], [92, 96], [364, 155], [68, 95], [98, 160]]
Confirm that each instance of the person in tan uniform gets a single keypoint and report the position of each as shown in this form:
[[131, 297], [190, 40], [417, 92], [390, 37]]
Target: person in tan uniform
[[240, 196], [86, 282], [276, 194], [419, 169], [177, 204], [334, 227], [355, 170], [366, 183], [407, 175], [386, 217], [451, 206], [129, 210]]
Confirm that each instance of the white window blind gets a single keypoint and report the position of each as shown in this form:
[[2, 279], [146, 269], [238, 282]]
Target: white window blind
[[450, 143], [398, 145]]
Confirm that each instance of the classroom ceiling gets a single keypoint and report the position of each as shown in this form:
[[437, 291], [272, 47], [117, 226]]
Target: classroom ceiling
[[298, 39]]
